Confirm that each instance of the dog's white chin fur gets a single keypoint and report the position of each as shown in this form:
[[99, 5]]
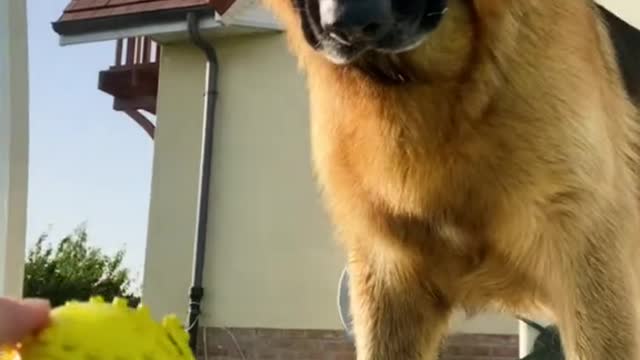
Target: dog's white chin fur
[[338, 59]]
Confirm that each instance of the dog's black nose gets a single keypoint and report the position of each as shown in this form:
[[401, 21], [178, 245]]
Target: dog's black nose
[[357, 21]]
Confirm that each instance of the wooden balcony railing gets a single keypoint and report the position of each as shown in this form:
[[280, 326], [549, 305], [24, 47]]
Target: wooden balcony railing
[[136, 51], [133, 79]]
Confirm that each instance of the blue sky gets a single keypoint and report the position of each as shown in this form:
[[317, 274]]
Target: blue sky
[[88, 163]]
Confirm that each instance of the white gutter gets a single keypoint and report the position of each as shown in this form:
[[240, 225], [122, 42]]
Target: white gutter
[[245, 16], [160, 32]]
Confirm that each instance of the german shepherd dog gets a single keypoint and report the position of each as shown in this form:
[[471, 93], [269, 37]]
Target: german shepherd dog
[[475, 154]]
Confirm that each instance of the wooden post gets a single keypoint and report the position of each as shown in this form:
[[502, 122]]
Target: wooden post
[[13, 144]]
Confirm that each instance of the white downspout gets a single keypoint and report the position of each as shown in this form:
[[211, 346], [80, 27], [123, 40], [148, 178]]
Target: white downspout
[[14, 144]]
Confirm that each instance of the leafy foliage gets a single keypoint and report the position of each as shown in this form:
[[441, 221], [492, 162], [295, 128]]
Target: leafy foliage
[[74, 270]]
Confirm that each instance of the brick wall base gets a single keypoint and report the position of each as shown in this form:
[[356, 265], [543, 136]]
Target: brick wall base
[[271, 344]]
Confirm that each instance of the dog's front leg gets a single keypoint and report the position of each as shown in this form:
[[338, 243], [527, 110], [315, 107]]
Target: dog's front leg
[[396, 314]]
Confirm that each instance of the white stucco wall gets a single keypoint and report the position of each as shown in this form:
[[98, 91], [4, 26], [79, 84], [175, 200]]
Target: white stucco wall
[[175, 180], [13, 144], [629, 10], [272, 260]]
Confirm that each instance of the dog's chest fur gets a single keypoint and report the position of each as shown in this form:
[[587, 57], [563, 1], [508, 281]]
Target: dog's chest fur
[[392, 158], [410, 172], [415, 177]]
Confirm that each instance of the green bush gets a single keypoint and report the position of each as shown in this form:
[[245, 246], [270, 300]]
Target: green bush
[[74, 270]]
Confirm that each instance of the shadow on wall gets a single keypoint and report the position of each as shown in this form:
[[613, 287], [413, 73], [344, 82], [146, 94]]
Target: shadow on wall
[[626, 39]]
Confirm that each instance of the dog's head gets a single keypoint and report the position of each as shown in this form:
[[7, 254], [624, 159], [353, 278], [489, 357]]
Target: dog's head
[[342, 30]]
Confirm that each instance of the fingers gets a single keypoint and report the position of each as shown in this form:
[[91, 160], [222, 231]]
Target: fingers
[[20, 318]]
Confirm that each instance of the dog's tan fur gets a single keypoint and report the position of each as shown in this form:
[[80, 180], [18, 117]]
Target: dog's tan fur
[[503, 175]]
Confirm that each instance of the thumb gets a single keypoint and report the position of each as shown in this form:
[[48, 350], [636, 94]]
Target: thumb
[[20, 318]]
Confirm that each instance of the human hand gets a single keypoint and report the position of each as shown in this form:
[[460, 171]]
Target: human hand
[[20, 318]]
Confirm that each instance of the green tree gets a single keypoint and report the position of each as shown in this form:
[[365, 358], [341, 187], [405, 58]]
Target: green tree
[[74, 270]]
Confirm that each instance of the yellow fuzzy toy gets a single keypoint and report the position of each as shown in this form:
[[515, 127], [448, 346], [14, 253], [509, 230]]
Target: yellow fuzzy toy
[[97, 330]]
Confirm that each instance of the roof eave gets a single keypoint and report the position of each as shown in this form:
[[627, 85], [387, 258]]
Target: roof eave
[[75, 27], [161, 32], [163, 26], [165, 23]]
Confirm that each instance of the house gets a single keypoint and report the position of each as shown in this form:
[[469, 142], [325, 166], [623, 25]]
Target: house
[[234, 209]]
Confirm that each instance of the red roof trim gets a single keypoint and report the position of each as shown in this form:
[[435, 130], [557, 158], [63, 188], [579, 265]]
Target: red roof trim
[[98, 9]]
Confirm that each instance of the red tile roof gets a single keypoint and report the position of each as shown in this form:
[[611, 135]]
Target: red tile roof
[[96, 9]]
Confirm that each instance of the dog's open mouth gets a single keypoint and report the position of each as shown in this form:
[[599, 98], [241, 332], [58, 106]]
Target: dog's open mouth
[[310, 21]]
